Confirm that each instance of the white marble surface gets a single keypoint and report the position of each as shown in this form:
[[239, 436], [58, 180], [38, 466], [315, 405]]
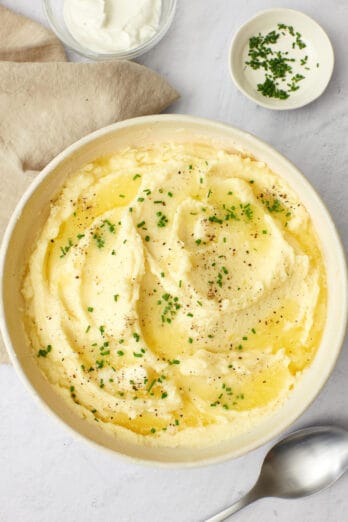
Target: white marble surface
[[45, 474]]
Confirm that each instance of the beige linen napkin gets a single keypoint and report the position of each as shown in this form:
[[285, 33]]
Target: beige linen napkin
[[47, 105]]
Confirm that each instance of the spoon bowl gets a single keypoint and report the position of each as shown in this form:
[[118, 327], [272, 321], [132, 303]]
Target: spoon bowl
[[303, 463]]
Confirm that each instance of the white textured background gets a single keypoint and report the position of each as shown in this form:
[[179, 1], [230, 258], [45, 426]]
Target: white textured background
[[45, 475]]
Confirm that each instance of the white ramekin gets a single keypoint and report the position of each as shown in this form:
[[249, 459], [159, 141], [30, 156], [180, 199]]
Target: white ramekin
[[32, 211]]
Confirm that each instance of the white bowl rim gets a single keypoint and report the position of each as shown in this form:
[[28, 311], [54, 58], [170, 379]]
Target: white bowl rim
[[153, 119], [267, 104]]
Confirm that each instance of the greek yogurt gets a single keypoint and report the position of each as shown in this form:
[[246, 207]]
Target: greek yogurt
[[106, 26]]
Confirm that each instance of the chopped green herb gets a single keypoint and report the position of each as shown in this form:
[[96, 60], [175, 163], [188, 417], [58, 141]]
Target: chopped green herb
[[276, 64], [99, 240], [151, 385], [269, 89], [111, 226], [65, 250], [44, 353], [163, 220], [215, 219], [171, 307], [276, 205], [247, 211]]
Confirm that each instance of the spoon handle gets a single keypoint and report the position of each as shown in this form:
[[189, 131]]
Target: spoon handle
[[241, 503]]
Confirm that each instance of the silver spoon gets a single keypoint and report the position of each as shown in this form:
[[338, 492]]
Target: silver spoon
[[303, 463]]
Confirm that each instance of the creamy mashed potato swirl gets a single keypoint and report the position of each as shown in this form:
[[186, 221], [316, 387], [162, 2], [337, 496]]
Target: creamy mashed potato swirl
[[175, 293]]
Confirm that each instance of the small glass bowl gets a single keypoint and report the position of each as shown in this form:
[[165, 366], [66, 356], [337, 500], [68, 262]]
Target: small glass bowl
[[54, 13]]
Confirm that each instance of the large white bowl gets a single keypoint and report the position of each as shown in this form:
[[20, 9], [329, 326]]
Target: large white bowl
[[32, 211]]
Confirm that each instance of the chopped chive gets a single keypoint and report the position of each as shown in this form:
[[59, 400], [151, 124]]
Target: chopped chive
[[151, 385], [44, 353]]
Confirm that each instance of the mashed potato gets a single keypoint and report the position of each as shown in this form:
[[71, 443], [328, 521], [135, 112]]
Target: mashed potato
[[175, 294]]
